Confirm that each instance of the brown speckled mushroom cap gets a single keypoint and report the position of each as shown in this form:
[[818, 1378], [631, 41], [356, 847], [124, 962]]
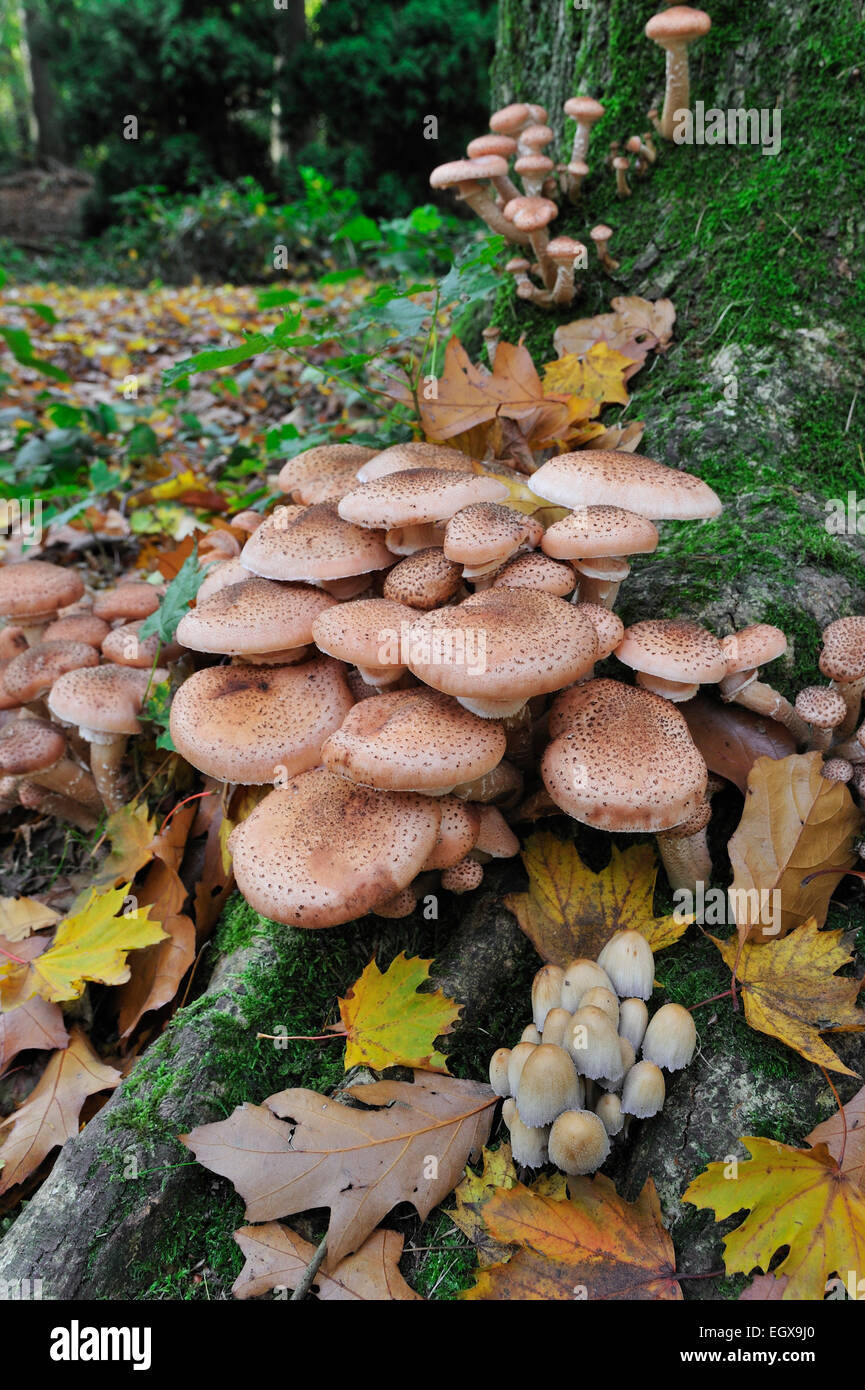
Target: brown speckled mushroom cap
[[220, 576], [752, 646], [821, 706], [416, 496], [254, 724], [584, 109], [533, 570], [457, 832], [399, 458], [30, 745], [424, 580], [537, 164], [414, 740], [103, 699], [487, 166], [593, 477], [530, 214], [843, 654], [536, 136], [678, 24], [502, 145], [31, 673], [313, 464], [510, 119], [253, 618], [330, 484], [673, 650], [365, 632], [312, 546], [124, 646], [323, 851], [526, 642], [13, 640], [609, 628], [35, 589], [485, 532], [599, 531], [495, 836], [130, 600], [627, 761], [77, 627]]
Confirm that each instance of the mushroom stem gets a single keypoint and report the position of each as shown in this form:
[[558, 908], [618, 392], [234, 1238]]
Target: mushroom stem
[[71, 781], [107, 752], [820, 740], [63, 808], [483, 207], [594, 590], [762, 699], [851, 750], [539, 241], [686, 859], [519, 730], [677, 96], [622, 186], [563, 290], [851, 692]]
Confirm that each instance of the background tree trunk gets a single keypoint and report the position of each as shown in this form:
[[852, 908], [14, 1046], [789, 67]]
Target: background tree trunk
[[50, 144]]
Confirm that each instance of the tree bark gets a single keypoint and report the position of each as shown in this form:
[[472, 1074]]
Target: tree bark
[[50, 145]]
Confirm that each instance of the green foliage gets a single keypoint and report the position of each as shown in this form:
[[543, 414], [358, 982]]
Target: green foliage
[[176, 600]]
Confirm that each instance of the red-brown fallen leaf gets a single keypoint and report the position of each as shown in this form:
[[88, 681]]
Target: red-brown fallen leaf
[[36, 1024], [593, 1245], [360, 1163], [468, 396], [276, 1258], [50, 1114], [764, 1288], [731, 738], [832, 1133]]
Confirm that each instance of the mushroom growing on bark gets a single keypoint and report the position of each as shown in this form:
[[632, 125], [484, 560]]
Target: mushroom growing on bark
[[602, 235], [824, 709], [470, 177], [842, 659], [744, 652], [674, 30], [586, 112]]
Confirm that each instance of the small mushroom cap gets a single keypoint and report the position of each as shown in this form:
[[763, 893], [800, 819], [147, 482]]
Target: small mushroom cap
[[601, 232], [502, 145], [457, 833], [416, 496], [313, 464], [625, 762], [535, 137], [633, 1021], [821, 706], [313, 545], [533, 570], [77, 627], [463, 877], [13, 641], [400, 458], [31, 673], [593, 1044], [581, 975], [253, 618], [365, 632], [495, 836], [583, 109], [486, 531], [592, 477], [530, 214], [488, 166], [533, 164], [752, 646], [510, 118], [578, 1142], [528, 1146], [518, 1058], [526, 643], [323, 851], [628, 960], [130, 600], [546, 994], [518, 265], [644, 1090], [678, 24], [254, 724], [564, 250], [414, 740], [609, 1112], [530, 1034], [424, 580], [221, 576], [556, 1025], [671, 1038], [548, 1085], [838, 770], [499, 1071], [30, 745], [124, 646], [578, 167], [599, 531], [35, 589], [673, 650], [609, 630], [105, 699], [599, 997], [843, 654], [621, 161]]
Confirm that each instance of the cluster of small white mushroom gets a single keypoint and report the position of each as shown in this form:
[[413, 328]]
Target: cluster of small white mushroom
[[573, 1081]]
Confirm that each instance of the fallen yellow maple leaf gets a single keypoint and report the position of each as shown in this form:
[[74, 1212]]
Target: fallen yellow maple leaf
[[92, 944], [389, 1024], [130, 832], [795, 822], [569, 911], [476, 1189], [791, 990], [795, 1197], [598, 375]]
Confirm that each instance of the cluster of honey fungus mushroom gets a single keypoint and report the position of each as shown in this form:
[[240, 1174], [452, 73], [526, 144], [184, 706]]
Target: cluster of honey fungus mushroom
[[591, 1060], [390, 657], [518, 146]]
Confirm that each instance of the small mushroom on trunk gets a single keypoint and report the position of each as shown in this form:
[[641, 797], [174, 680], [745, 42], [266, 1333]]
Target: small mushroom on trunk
[[674, 30]]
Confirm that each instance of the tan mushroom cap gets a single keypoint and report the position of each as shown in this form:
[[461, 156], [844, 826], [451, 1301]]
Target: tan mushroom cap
[[495, 836], [536, 136], [601, 232], [533, 164], [424, 580], [488, 166], [673, 650], [486, 531], [510, 118], [329, 485], [752, 646], [77, 627], [530, 214], [592, 477], [13, 640], [584, 109], [312, 464], [821, 706], [254, 618], [843, 654], [30, 745], [130, 600], [457, 833], [366, 632], [33, 672], [627, 761], [414, 740], [609, 628], [124, 646], [312, 546], [36, 589], [324, 851], [502, 645], [399, 458], [564, 249], [599, 531], [103, 699], [256, 724], [534, 570], [678, 24], [417, 496], [220, 576], [502, 145]]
